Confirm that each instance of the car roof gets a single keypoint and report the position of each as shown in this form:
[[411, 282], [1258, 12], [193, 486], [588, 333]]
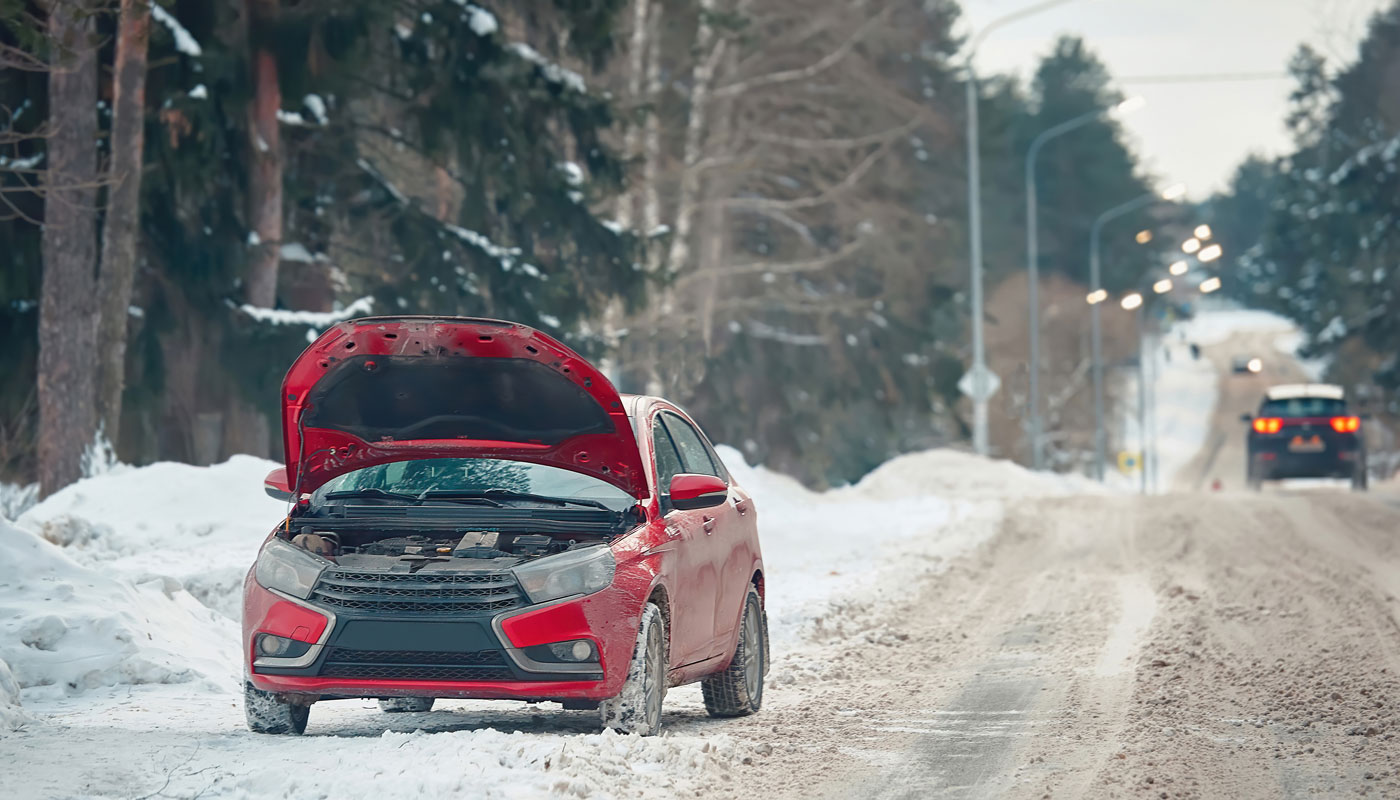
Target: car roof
[[1290, 391]]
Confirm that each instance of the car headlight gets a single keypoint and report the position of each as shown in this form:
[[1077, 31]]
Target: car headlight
[[288, 569], [574, 572]]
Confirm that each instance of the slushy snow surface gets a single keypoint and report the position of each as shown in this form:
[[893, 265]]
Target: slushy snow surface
[[117, 621]]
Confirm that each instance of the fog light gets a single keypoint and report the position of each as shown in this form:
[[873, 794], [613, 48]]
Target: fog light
[[574, 652], [280, 646]]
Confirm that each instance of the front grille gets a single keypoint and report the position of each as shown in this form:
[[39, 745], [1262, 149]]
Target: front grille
[[410, 665], [434, 594]]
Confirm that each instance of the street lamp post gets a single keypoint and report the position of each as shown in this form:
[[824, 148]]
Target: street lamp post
[[1095, 284], [1033, 263], [974, 223]]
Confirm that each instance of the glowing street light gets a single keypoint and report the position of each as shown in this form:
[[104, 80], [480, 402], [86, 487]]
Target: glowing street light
[[1097, 296], [1202, 232], [1163, 286], [1143, 236], [1210, 253], [1174, 192], [1210, 285], [1128, 106], [1190, 246], [1179, 268], [1132, 301]]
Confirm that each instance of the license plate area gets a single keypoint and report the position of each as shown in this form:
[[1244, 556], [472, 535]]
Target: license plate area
[[1306, 444], [454, 637]]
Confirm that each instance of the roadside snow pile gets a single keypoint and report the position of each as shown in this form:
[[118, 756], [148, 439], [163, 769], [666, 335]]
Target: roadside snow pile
[[17, 498], [1215, 327], [200, 526], [864, 544], [67, 626], [12, 717]]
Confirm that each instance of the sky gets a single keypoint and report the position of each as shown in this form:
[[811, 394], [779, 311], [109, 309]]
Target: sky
[[1197, 132]]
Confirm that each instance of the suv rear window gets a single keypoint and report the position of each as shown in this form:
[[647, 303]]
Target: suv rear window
[[1303, 407]]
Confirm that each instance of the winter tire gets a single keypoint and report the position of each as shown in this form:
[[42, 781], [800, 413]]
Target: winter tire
[[271, 713], [402, 705], [738, 690], [637, 709]]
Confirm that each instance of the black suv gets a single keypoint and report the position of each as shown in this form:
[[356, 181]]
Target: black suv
[[1304, 431]]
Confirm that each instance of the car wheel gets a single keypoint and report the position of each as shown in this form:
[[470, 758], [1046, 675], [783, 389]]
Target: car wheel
[[738, 690], [271, 713], [637, 709], [400, 705]]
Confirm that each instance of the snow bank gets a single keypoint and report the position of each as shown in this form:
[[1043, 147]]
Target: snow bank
[[74, 628], [1215, 327], [911, 514], [12, 716], [197, 528], [17, 498]]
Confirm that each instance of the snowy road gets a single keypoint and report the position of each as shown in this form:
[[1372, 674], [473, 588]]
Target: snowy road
[[949, 627]]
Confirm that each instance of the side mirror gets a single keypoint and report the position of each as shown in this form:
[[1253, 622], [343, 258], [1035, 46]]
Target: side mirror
[[691, 492], [1246, 418], [276, 486]]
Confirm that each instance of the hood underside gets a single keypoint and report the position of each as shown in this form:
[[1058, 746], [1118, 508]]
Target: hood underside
[[381, 389]]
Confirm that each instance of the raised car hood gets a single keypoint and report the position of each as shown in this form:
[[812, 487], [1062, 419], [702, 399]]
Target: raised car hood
[[381, 389]]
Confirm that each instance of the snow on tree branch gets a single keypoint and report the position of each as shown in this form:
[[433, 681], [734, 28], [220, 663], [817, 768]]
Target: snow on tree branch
[[317, 319], [184, 42]]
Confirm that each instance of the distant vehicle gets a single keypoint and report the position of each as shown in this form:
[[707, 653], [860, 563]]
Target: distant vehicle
[[1304, 431], [477, 513], [1247, 365]]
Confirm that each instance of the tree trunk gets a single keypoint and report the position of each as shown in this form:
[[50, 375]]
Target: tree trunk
[[651, 143], [631, 137], [120, 232], [68, 296], [709, 50], [265, 182]]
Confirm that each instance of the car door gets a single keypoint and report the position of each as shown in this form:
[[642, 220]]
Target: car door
[[723, 531], [696, 582]]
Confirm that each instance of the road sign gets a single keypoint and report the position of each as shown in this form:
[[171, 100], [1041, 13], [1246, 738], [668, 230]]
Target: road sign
[[1128, 463], [990, 383]]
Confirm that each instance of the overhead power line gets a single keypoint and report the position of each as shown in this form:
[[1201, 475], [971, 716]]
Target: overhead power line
[[1206, 77]]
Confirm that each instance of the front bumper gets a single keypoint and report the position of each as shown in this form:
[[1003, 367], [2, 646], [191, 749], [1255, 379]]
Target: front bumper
[[360, 653]]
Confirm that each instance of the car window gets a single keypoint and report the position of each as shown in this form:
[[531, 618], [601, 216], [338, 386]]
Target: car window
[[668, 461], [1303, 407], [695, 456], [415, 476]]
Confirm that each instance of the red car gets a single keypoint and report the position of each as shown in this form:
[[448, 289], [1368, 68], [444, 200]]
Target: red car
[[477, 513]]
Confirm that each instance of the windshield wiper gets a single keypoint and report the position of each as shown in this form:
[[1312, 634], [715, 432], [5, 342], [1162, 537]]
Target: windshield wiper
[[511, 494], [416, 499]]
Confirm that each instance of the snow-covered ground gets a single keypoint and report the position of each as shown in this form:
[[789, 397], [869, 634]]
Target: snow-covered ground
[[117, 620]]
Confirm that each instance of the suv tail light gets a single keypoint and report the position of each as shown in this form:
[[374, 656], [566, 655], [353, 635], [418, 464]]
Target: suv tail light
[[1271, 424], [1346, 424]]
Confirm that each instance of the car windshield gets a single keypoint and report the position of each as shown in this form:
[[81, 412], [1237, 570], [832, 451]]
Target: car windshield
[[497, 479], [1303, 407]]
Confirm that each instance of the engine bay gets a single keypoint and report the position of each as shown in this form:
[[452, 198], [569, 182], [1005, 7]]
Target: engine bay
[[451, 548]]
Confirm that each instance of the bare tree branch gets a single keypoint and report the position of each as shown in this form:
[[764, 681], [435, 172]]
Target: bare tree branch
[[808, 71], [838, 144], [825, 196]]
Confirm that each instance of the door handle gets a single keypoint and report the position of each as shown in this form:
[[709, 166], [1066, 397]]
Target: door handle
[[742, 506], [708, 523]]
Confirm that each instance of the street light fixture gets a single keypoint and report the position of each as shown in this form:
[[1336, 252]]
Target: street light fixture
[[1190, 246], [1132, 301], [1097, 296], [1163, 286], [1033, 258], [974, 222], [1179, 268], [1210, 285], [1173, 192], [1210, 253], [1202, 232], [1143, 236]]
